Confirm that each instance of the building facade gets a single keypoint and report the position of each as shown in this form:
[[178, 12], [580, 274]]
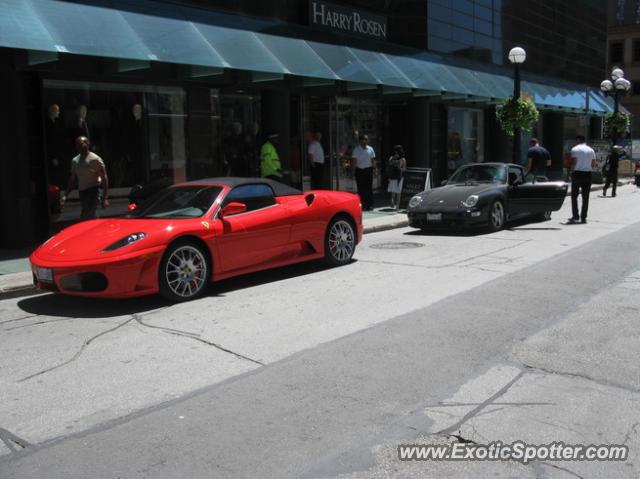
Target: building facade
[[191, 89]]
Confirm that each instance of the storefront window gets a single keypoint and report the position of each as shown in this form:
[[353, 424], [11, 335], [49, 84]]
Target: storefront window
[[465, 138], [240, 130], [137, 130], [167, 139]]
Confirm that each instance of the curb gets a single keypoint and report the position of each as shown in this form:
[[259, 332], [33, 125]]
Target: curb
[[16, 284], [385, 226]]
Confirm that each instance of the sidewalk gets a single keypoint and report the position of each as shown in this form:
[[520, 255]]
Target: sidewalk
[[15, 272]]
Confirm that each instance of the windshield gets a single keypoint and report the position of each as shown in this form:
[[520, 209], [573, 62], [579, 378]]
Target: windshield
[[479, 174], [178, 202]]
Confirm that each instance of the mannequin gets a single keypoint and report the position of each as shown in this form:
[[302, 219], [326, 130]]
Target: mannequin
[[137, 111], [79, 126], [54, 112], [55, 138]]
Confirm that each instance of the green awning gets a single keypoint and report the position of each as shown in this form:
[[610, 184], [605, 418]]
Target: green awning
[[154, 31]]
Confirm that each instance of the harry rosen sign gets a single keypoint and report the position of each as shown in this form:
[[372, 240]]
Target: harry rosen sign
[[335, 17]]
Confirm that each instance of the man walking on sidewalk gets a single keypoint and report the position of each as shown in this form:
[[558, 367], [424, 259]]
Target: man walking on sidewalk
[[583, 160], [612, 170]]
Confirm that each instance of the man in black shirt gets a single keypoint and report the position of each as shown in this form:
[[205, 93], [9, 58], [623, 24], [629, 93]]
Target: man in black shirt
[[612, 170], [538, 159]]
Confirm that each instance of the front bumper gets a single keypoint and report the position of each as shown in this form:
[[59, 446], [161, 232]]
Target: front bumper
[[450, 217], [120, 278]]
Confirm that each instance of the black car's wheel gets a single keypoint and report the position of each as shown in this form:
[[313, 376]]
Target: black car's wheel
[[340, 242], [184, 271], [496, 216]]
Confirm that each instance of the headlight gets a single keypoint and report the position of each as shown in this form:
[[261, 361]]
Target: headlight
[[132, 238], [415, 201], [471, 201]]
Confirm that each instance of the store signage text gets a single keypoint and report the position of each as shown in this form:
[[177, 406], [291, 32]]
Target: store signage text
[[335, 17]]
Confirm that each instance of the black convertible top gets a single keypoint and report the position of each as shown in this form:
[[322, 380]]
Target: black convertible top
[[279, 189]]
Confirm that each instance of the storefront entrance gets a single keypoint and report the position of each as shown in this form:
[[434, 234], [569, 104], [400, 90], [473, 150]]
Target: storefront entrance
[[341, 121]]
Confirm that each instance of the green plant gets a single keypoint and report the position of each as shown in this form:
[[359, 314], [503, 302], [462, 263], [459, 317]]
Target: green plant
[[616, 124], [521, 113]]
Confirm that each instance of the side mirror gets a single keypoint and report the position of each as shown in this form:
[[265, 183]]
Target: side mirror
[[514, 180], [132, 206], [232, 208], [443, 182]]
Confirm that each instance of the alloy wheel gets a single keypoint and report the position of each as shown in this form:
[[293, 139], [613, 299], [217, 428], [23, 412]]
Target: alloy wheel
[[186, 271], [497, 215], [341, 241]]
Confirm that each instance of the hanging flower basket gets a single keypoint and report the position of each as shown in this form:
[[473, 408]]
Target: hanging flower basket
[[617, 123], [521, 113]]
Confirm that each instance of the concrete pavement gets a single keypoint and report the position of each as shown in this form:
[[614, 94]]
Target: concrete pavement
[[516, 329]]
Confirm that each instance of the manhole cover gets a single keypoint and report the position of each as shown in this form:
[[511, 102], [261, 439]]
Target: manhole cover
[[397, 245]]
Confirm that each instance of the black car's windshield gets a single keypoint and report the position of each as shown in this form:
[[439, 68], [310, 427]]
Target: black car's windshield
[[178, 202], [479, 173]]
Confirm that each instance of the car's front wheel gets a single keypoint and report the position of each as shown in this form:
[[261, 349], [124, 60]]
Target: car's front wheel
[[340, 242], [496, 216], [184, 271]]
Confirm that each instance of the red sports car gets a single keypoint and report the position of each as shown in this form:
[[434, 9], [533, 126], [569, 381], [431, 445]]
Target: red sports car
[[197, 232]]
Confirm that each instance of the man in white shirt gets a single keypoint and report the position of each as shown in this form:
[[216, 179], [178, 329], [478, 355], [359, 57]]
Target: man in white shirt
[[363, 156], [89, 173], [583, 160], [316, 160]]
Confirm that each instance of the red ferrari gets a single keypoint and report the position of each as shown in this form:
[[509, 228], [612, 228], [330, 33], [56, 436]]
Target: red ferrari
[[196, 232]]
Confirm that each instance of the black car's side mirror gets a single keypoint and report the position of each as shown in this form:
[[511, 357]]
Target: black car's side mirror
[[514, 180], [443, 182]]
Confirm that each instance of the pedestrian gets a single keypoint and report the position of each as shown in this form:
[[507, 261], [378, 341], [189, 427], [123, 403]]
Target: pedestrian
[[583, 159], [363, 158], [538, 159], [89, 174], [612, 170], [269, 160], [396, 166], [316, 160]]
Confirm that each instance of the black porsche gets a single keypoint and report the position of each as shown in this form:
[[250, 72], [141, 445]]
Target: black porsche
[[490, 194]]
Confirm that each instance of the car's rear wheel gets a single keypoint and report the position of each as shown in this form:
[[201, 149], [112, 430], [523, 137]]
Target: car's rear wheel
[[340, 242], [184, 271], [496, 216]]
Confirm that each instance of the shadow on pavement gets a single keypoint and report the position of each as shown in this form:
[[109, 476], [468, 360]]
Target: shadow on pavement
[[517, 225], [59, 305], [74, 307]]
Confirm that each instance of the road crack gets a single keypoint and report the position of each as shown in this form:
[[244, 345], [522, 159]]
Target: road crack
[[196, 337], [580, 376], [475, 411], [78, 353], [13, 442], [18, 319]]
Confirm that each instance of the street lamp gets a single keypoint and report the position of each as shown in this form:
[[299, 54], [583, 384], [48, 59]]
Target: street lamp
[[517, 56], [617, 87]]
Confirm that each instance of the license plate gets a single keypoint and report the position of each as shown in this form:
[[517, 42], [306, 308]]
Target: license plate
[[434, 216], [44, 274]]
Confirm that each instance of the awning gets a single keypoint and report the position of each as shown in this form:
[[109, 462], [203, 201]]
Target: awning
[[154, 31]]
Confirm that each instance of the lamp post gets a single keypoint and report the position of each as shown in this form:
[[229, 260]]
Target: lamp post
[[617, 87], [517, 56]]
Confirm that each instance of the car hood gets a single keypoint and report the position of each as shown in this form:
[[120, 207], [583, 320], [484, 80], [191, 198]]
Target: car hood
[[452, 195], [88, 239]]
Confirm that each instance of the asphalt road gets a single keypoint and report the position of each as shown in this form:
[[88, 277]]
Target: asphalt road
[[529, 333]]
